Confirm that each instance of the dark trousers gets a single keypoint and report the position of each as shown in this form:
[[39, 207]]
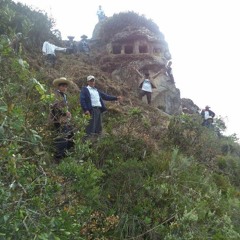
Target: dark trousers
[[51, 60], [95, 123], [63, 142], [208, 123], [148, 94]]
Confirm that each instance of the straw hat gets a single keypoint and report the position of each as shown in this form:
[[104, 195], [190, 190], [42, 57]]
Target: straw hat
[[57, 81], [84, 36]]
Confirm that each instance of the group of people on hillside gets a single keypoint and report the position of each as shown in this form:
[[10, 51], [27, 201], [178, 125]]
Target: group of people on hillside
[[78, 47], [92, 103], [49, 48]]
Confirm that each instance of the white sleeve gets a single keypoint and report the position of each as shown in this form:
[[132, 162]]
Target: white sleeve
[[59, 48], [44, 50]]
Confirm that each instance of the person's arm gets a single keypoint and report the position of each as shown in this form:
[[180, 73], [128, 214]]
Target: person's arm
[[107, 97], [44, 50], [154, 76], [212, 113], [139, 73], [60, 48], [153, 84]]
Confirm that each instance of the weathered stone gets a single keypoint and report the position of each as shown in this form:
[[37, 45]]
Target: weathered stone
[[139, 48]]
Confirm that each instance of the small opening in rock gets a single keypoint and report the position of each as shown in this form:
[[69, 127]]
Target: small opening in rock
[[128, 49], [143, 49], [117, 49]]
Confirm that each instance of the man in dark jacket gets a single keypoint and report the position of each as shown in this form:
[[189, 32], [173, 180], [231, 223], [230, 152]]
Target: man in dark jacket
[[207, 116], [91, 100]]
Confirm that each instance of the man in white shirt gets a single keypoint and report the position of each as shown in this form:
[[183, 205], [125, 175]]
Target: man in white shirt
[[147, 85], [49, 49], [207, 116], [101, 14], [91, 100]]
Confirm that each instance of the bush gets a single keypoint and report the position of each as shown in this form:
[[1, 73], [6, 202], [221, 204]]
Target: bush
[[120, 21]]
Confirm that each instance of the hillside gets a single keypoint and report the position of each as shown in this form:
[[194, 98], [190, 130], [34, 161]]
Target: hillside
[[155, 173]]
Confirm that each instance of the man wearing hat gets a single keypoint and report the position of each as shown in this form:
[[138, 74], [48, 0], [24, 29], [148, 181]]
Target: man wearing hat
[[83, 45], [91, 100], [207, 116], [60, 116]]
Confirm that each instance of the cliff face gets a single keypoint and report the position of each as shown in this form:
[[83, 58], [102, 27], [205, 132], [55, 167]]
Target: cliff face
[[132, 47]]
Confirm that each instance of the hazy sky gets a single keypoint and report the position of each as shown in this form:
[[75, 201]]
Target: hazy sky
[[203, 38]]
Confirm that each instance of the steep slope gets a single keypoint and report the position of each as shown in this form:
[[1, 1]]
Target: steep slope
[[151, 175]]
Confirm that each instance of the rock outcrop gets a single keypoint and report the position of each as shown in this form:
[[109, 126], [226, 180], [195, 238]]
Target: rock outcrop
[[189, 106], [132, 47]]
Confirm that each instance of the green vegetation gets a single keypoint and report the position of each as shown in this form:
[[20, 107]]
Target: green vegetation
[[119, 22], [130, 184]]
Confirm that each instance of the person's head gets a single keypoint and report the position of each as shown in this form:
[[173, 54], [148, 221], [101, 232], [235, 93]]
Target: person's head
[[91, 80], [61, 84], [51, 40], [62, 87], [207, 107], [146, 75], [99, 6]]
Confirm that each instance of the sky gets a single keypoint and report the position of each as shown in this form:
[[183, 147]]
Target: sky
[[202, 35]]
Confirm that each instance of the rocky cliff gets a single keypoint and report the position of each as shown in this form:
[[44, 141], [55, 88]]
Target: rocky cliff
[[122, 49]]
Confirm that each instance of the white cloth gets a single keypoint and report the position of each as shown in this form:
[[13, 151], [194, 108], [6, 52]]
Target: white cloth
[[95, 98], [100, 12], [206, 115], [49, 48], [147, 87]]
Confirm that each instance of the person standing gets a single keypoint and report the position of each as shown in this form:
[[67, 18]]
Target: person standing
[[17, 43], [83, 45], [49, 49], [169, 72], [71, 46], [100, 14], [91, 101], [147, 85], [61, 117], [207, 116]]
